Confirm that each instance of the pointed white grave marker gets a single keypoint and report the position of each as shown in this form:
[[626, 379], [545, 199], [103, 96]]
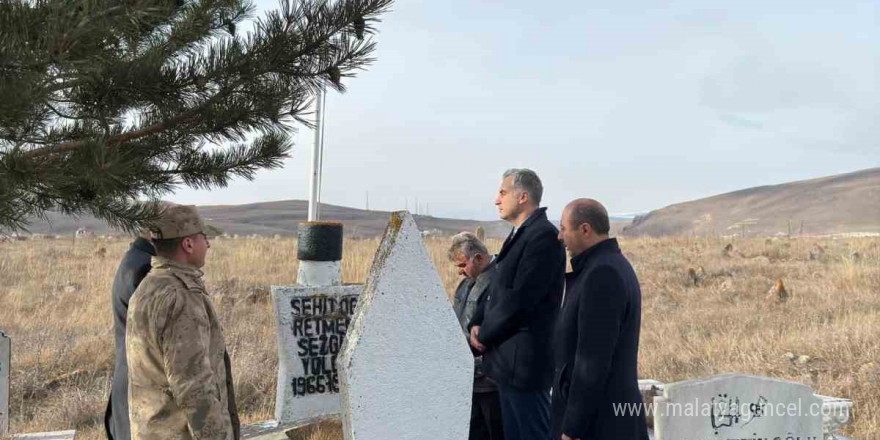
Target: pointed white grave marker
[[406, 370]]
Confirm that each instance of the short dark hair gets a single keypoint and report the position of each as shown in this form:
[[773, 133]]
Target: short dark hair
[[167, 247], [592, 214]]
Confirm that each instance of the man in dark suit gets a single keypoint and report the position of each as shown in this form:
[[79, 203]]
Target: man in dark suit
[[597, 337], [514, 326], [471, 258], [132, 269]]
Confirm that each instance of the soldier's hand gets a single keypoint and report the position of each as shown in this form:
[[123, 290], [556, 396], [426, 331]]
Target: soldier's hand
[[565, 437], [475, 330]]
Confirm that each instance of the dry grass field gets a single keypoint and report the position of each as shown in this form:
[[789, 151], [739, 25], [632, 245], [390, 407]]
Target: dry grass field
[[54, 303]]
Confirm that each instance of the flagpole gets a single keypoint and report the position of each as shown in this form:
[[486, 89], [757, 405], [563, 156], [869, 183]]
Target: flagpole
[[315, 182]]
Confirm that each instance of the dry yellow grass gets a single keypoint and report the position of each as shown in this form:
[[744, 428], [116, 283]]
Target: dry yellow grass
[[55, 305]]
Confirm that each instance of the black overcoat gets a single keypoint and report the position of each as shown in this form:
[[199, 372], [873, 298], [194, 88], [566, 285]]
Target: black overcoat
[[595, 390], [518, 317], [132, 269]]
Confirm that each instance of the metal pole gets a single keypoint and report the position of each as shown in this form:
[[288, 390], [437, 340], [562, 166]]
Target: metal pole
[[315, 169], [321, 152]]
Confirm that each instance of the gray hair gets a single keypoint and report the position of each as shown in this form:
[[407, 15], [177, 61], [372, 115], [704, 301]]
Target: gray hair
[[526, 180], [468, 244]]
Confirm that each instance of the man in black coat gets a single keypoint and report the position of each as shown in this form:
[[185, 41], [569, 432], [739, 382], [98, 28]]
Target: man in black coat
[[514, 326], [132, 269], [595, 390]]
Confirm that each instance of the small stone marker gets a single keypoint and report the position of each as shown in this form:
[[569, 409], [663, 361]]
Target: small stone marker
[[406, 372], [311, 323], [57, 435], [736, 406], [5, 361]]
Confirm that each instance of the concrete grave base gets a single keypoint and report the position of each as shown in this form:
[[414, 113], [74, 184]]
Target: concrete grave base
[[303, 430]]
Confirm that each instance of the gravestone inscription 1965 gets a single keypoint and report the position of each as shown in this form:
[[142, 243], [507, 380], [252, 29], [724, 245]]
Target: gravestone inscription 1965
[[311, 325]]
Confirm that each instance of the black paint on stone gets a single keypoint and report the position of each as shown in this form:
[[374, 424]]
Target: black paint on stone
[[319, 241]]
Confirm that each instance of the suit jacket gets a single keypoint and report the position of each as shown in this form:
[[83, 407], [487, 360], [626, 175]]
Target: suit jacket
[[597, 348], [469, 294], [132, 269], [517, 319]]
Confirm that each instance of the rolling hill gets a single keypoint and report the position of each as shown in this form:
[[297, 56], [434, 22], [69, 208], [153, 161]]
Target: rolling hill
[[281, 217], [841, 204]]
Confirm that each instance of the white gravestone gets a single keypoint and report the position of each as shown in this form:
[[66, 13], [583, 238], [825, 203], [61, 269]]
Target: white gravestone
[[57, 435], [5, 361], [736, 406], [406, 372], [311, 323]]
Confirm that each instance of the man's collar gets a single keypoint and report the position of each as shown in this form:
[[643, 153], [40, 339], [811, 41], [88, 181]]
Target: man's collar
[[531, 218], [487, 271], [579, 261], [538, 214], [170, 264], [144, 245]]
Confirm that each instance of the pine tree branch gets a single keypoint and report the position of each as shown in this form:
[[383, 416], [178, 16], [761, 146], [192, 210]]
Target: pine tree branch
[[107, 103]]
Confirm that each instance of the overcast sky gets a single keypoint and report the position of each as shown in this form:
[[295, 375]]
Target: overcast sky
[[636, 104]]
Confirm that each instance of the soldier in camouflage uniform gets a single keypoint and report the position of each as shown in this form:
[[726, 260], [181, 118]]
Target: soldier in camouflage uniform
[[180, 380]]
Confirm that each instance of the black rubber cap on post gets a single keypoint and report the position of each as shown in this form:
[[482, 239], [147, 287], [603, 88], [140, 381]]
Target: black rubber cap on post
[[319, 241]]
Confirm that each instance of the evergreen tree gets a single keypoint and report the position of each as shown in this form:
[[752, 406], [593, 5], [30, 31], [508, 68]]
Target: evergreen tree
[[107, 105]]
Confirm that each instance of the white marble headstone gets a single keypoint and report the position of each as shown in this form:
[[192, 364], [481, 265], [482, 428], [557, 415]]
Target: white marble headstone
[[310, 323], [5, 361], [406, 372], [736, 406]]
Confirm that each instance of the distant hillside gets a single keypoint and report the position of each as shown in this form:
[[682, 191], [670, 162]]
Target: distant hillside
[[845, 203], [281, 218]]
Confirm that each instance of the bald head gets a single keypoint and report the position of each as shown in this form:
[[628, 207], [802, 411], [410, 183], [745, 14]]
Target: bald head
[[591, 212], [584, 224]]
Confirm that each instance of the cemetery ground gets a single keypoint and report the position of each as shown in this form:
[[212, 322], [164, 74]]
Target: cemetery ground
[[704, 311]]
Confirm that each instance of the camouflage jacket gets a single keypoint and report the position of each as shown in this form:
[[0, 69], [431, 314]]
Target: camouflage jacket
[[180, 380]]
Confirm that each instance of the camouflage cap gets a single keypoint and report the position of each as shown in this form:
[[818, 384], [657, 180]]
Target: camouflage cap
[[181, 221]]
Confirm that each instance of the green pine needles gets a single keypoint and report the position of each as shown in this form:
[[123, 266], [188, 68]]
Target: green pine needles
[[108, 105]]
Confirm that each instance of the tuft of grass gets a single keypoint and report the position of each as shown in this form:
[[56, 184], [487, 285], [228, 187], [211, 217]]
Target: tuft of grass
[[56, 307]]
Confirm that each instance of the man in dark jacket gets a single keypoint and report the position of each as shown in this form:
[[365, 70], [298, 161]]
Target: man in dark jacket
[[597, 337], [472, 259], [514, 326], [132, 269]]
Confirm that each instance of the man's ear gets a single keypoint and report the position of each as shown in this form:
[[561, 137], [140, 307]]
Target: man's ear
[[586, 229], [187, 244], [523, 197]]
